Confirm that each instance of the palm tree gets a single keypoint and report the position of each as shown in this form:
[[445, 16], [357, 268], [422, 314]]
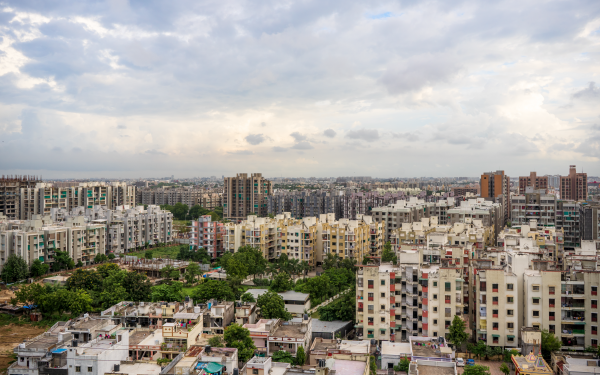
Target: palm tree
[[304, 267]]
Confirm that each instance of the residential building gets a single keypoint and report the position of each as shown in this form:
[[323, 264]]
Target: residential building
[[376, 307], [227, 358], [10, 190], [299, 239], [260, 332], [534, 181], [352, 239], [260, 232], [218, 316], [289, 336], [207, 234], [533, 204], [531, 364], [296, 303], [331, 329], [462, 191], [574, 186], [245, 313], [496, 306], [244, 195], [590, 221], [491, 214], [100, 355], [548, 242], [323, 349], [496, 187], [568, 217]]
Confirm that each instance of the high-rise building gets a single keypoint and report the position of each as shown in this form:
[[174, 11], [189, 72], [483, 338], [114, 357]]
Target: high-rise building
[[590, 216], [574, 186], [244, 195], [208, 234], [534, 181], [496, 186], [10, 189]]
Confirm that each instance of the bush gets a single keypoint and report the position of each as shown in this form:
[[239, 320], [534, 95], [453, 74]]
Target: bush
[[262, 282]]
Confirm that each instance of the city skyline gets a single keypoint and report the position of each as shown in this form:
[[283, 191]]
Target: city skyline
[[122, 89]]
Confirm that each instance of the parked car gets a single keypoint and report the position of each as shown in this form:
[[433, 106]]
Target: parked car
[[470, 362], [460, 362]]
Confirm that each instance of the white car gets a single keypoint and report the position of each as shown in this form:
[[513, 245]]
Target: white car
[[460, 362]]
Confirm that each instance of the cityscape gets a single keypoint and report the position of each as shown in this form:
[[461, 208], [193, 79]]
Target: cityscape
[[299, 187]]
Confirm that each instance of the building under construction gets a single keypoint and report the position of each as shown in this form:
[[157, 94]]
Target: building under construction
[[153, 267], [10, 190]]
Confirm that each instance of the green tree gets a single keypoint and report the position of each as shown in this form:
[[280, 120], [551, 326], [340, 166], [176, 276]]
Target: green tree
[[38, 268], [85, 279], [508, 355], [107, 269], [62, 261], [550, 343], [479, 349], [403, 365], [137, 286], [110, 297], [111, 256], [30, 294], [179, 211], [272, 306], [247, 297], [216, 341], [167, 292], [504, 368], [343, 308], [282, 283], [197, 211], [331, 261], [282, 356], [457, 334], [100, 258], [253, 258], [79, 264], [191, 272], [317, 287], [388, 254], [300, 356], [372, 365], [210, 289], [476, 370], [169, 272], [366, 260], [236, 269], [149, 254], [14, 269], [238, 337]]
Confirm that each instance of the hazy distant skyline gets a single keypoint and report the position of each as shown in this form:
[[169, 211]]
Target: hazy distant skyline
[[121, 89]]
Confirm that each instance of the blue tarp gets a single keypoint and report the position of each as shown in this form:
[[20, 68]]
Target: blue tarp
[[59, 351]]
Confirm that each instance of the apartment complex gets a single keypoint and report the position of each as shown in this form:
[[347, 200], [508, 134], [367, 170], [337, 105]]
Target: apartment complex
[[533, 204], [590, 217], [208, 234], [43, 197], [243, 195], [127, 228], [533, 181], [496, 186], [40, 238], [574, 186], [10, 190], [189, 196]]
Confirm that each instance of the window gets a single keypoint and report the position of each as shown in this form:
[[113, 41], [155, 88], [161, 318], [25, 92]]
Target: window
[[594, 304], [435, 335], [255, 371], [535, 288], [510, 338], [447, 298], [77, 368], [89, 369], [434, 321], [536, 325], [509, 287], [551, 290], [291, 346], [551, 328], [371, 296], [447, 323], [594, 291], [536, 300], [447, 286], [496, 339], [382, 307], [551, 315], [536, 313], [510, 325], [371, 308], [435, 283], [435, 309], [382, 320], [495, 326], [495, 300], [551, 302], [382, 282], [382, 295], [509, 312], [371, 284], [435, 296], [509, 299], [495, 313], [494, 287], [594, 317]]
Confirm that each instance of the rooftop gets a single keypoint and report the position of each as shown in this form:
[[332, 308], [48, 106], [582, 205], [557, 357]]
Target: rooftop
[[219, 352], [323, 326], [324, 344], [289, 330], [396, 348], [346, 367], [139, 369], [95, 348], [287, 296], [87, 324], [435, 370], [356, 347]]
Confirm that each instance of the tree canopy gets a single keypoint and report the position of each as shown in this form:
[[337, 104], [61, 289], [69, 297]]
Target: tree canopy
[[272, 306], [388, 254], [476, 370], [14, 269], [282, 283], [210, 289], [457, 335], [38, 268], [238, 337], [550, 343], [62, 261], [343, 308], [167, 292]]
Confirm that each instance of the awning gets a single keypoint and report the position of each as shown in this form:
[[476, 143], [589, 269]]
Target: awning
[[213, 368], [510, 336], [459, 279], [495, 335]]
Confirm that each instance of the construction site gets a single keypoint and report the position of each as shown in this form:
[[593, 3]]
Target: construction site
[[153, 267], [10, 191]]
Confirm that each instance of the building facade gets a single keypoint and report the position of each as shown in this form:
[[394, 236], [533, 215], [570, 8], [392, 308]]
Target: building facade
[[243, 195], [574, 186]]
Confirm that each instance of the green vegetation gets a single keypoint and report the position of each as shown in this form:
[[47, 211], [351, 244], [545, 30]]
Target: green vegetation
[[15, 269], [338, 276], [457, 335], [182, 212], [282, 356], [272, 306], [238, 337], [172, 292], [343, 308], [62, 261], [282, 283], [210, 289], [300, 356], [159, 252], [403, 365], [200, 255], [388, 254], [476, 370], [38, 268], [247, 297], [216, 342], [504, 368], [550, 343]]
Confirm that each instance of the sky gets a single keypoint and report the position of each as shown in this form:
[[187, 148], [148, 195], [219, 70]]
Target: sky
[[129, 89]]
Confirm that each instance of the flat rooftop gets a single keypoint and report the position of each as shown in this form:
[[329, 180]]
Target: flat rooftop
[[396, 348], [43, 342], [425, 351], [220, 352], [356, 347], [97, 347], [140, 369], [434, 370], [150, 338], [87, 324], [287, 296], [323, 326], [324, 345], [345, 367], [289, 331], [260, 326]]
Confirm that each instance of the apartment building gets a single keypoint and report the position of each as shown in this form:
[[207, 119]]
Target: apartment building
[[495, 306], [548, 242], [571, 316], [568, 217], [260, 232], [496, 186], [489, 213], [304, 203], [590, 217], [243, 195], [533, 204], [574, 186], [444, 297], [533, 181], [41, 237], [210, 201], [299, 239], [43, 197], [376, 307], [188, 195], [353, 239], [403, 211], [127, 228], [10, 189], [208, 234]]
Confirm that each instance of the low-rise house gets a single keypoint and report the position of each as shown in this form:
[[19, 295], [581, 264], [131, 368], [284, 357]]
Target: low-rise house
[[184, 331], [332, 329], [88, 328], [295, 302], [245, 313], [145, 344], [98, 356], [432, 368], [217, 316], [225, 357], [260, 331], [265, 366], [289, 336]]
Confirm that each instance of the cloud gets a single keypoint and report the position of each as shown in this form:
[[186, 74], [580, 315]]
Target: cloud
[[155, 152], [298, 137], [412, 137], [241, 152], [302, 146], [418, 72], [590, 92], [330, 133], [368, 135], [279, 149], [121, 127], [263, 124], [255, 139]]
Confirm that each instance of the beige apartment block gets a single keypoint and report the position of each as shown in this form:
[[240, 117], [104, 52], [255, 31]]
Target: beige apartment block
[[496, 307], [261, 232], [444, 297], [565, 303], [395, 214], [299, 239], [533, 204], [376, 301], [532, 237], [244, 195], [352, 239], [491, 214]]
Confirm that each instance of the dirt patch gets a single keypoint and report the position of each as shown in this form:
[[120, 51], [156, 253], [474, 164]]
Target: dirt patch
[[5, 295], [11, 336]]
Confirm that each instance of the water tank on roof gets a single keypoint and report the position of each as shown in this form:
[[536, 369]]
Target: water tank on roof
[[197, 309]]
